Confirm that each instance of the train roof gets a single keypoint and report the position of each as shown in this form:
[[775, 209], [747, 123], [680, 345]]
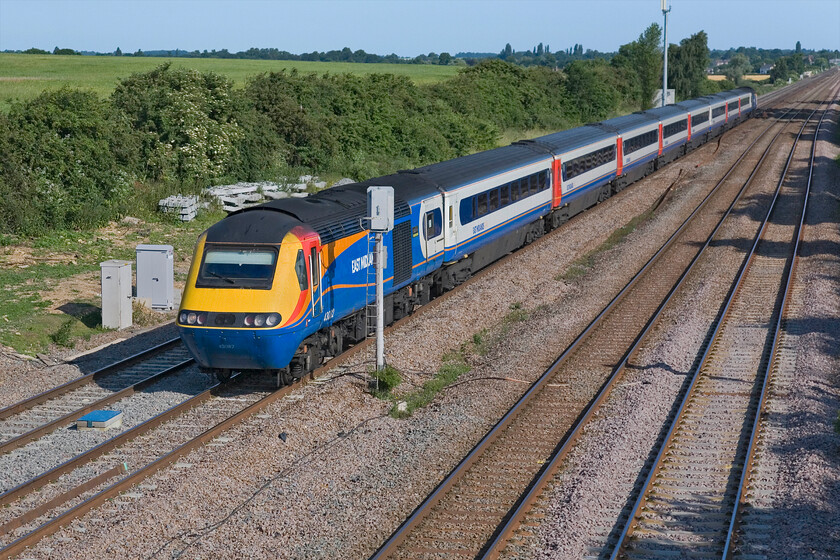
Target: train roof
[[627, 123], [572, 138], [714, 98], [474, 167], [744, 89], [691, 104], [666, 112]]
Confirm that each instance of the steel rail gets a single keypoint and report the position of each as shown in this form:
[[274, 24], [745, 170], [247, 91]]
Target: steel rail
[[777, 329], [26, 404], [422, 510], [32, 435], [496, 545], [54, 524], [641, 500]]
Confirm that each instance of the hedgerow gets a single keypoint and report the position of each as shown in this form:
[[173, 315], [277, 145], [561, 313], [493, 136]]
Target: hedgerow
[[69, 159]]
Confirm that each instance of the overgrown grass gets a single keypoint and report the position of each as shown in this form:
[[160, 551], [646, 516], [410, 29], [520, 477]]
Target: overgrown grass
[[516, 315], [454, 365], [582, 265], [24, 76], [384, 381]]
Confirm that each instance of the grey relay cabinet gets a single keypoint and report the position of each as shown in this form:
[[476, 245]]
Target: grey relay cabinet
[[156, 276]]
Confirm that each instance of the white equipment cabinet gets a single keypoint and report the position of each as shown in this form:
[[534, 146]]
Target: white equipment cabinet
[[116, 294], [156, 276]]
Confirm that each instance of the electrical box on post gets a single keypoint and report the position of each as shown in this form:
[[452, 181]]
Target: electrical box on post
[[380, 208], [156, 276], [116, 294]]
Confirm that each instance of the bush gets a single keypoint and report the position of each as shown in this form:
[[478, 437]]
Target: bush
[[64, 163], [62, 336], [185, 123]]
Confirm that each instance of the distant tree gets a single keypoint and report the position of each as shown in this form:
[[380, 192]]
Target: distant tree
[[780, 71], [796, 63], [798, 47], [140, 53], [540, 49], [118, 52], [64, 51], [737, 67], [641, 60], [506, 52], [33, 50], [687, 64], [445, 58]]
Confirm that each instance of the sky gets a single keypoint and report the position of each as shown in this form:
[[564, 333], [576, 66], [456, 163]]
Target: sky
[[407, 27]]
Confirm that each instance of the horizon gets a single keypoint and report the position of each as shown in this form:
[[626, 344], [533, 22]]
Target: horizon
[[378, 27]]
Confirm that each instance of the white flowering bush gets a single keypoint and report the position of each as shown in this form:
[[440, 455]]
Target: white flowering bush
[[185, 121]]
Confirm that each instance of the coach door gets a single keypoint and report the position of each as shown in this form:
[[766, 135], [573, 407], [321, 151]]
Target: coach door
[[312, 250], [432, 226]]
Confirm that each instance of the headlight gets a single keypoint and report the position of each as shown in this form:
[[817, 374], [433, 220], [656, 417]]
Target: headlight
[[191, 318], [259, 320], [201, 318], [183, 317], [272, 319], [249, 320]]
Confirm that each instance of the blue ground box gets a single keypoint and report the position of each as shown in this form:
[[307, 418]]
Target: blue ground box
[[100, 420]]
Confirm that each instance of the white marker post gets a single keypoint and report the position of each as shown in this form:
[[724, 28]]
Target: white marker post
[[380, 206]]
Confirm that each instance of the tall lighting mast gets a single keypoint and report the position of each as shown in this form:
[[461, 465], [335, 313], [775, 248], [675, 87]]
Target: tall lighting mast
[[665, 51]]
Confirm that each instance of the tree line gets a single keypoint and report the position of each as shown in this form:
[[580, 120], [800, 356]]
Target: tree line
[[69, 159]]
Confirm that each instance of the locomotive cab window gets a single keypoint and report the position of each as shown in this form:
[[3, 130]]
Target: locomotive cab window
[[300, 271], [434, 224], [231, 267]]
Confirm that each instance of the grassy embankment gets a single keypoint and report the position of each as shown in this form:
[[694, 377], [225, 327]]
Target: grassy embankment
[[24, 77], [53, 297]]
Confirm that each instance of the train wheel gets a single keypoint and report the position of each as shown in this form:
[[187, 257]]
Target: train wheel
[[223, 375], [284, 377]]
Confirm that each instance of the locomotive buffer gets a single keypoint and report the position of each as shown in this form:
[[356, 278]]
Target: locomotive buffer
[[380, 216]]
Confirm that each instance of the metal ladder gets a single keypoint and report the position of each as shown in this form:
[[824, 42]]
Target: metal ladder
[[370, 289]]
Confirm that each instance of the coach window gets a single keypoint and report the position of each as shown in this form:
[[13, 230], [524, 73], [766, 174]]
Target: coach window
[[494, 199], [514, 191], [300, 270], [504, 191], [434, 223], [481, 209]]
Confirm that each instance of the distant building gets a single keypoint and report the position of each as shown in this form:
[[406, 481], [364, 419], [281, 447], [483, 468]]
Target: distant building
[[834, 62], [765, 68]]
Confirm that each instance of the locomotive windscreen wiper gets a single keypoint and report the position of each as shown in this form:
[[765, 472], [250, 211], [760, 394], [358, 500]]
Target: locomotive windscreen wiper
[[225, 278]]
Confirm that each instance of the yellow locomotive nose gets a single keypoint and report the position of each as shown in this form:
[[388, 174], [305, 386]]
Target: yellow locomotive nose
[[247, 280]]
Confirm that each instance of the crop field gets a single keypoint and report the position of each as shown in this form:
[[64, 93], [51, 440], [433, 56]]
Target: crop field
[[24, 76]]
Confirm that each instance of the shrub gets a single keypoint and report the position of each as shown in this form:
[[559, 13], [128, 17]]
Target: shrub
[[185, 122], [64, 163]]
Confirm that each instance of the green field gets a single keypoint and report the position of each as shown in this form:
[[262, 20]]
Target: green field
[[24, 76]]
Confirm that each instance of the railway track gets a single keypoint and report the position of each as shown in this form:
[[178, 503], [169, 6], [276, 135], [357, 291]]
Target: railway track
[[34, 417], [479, 505], [695, 491]]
